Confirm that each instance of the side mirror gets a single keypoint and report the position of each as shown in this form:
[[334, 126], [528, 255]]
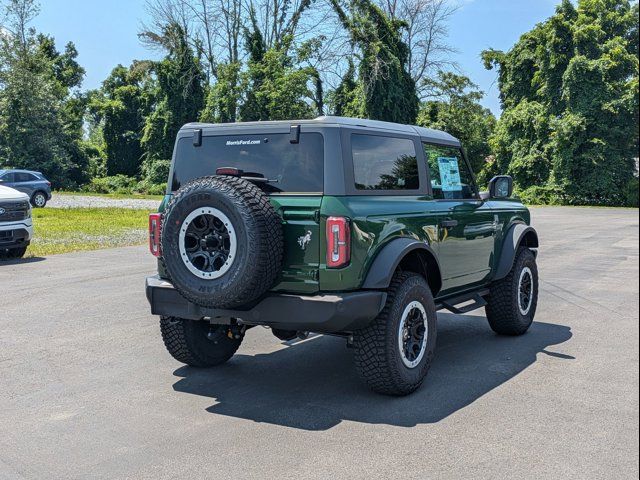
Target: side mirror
[[501, 187]]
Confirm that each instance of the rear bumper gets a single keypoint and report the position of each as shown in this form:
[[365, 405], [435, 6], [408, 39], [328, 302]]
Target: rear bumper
[[339, 312]]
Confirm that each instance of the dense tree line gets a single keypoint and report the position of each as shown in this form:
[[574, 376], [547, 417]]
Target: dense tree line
[[569, 89]]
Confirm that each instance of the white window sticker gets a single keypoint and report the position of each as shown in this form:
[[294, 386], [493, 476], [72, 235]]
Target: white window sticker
[[242, 142], [449, 174]]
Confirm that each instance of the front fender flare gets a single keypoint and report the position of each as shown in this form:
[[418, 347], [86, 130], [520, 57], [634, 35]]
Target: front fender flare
[[512, 241], [384, 265]]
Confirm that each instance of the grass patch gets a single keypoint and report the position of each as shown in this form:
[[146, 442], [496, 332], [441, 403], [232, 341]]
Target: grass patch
[[63, 230], [134, 196]]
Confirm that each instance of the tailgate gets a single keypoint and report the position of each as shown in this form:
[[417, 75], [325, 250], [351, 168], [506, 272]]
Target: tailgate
[[300, 223]]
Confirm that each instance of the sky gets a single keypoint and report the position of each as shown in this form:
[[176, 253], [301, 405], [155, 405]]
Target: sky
[[105, 34]]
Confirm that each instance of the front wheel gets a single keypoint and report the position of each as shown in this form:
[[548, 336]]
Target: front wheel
[[13, 253], [394, 353], [198, 343], [513, 300]]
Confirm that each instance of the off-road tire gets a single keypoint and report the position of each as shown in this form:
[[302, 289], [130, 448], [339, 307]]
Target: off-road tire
[[503, 311], [377, 356], [187, 341], [258, 229]]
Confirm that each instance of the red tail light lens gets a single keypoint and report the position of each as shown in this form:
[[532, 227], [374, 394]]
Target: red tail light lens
[[338, 242], [155, 228]]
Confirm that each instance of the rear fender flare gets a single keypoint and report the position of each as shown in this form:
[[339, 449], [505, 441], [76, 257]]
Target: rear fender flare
[[386, 262]]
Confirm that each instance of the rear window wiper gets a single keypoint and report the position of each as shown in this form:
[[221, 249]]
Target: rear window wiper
[[249, 176]]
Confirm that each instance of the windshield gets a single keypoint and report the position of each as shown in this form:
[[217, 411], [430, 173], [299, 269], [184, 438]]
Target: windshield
[[287, 167]]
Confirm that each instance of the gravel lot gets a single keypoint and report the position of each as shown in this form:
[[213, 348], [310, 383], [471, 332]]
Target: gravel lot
[[90, 201], [88, 390]]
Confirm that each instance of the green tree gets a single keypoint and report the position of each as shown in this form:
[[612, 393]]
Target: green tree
[[455, 107], [569, 90], [41, 110], [121, 106], [388, 91], [347, 100], [178, 96], [224, 97], [274, 87]]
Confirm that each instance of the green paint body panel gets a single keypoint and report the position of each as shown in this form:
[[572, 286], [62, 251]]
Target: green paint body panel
[[467, 253], [300, 215]]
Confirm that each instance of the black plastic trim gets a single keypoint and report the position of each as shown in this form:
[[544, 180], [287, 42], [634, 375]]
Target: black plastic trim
[[510, 244], [334, 312], [19, 238], [385, 264]]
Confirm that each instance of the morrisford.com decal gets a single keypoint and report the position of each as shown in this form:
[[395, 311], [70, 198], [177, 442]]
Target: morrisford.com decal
[[243, 142]]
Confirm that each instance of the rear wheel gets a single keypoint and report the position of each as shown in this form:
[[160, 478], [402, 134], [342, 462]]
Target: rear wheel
[[394, 353], [513, 300], [198, 343]]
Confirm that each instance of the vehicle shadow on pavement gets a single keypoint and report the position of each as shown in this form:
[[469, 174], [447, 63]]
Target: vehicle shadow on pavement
[[313, 385], [19, 261]]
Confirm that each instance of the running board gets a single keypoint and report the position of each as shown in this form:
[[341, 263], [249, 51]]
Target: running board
[[477, 299]]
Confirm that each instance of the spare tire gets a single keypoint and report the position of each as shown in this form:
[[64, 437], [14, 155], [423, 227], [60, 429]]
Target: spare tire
[[222, 243]]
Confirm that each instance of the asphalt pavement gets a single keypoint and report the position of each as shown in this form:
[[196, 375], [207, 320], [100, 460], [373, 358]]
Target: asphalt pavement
[[88, 390]]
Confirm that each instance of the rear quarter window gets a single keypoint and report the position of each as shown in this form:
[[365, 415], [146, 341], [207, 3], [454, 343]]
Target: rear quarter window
[[291, 167], [384, 163]]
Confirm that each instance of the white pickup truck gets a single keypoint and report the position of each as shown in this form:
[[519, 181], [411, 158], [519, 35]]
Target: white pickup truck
[[16, 226]]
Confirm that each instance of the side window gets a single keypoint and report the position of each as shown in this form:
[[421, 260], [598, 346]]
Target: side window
[[9, 177], [384, 163], [450, 175], [24, 177]]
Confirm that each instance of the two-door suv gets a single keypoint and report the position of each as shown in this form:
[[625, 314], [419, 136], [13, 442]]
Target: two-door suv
[[357, 228]]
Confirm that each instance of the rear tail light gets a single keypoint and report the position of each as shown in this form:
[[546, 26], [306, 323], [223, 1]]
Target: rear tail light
[[155, 228], [338, 242]]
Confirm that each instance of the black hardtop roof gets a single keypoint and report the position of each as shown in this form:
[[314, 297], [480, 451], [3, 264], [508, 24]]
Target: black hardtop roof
[[426, 134]]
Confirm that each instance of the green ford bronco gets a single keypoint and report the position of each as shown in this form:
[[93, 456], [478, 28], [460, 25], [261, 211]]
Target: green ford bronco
[[356, 228]]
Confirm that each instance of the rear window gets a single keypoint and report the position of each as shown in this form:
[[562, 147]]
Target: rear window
[[290, 167], [384, 163]]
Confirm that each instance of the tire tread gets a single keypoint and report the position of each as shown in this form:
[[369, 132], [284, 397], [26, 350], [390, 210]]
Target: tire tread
[[502, 307]]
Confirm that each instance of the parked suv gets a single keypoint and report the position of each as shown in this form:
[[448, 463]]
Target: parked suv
[[16, 228], [33, 184], [356, 228]]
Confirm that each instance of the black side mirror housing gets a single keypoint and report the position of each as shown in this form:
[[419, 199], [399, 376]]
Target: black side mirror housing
[[501, 186]]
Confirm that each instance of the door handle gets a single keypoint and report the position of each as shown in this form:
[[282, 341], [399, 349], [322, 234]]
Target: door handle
[[449, 223]]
